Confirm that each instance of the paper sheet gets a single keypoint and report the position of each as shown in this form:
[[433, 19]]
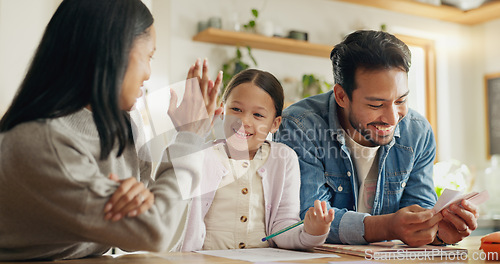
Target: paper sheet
[[449, 197], [265, 254]]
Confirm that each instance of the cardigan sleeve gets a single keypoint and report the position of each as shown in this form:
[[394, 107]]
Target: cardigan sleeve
[[289, 207]]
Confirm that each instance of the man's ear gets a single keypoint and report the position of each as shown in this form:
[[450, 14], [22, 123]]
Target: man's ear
[[340, 95], [276, 124]]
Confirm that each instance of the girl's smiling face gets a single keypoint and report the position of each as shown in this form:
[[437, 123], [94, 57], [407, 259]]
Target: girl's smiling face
[[249, 116]]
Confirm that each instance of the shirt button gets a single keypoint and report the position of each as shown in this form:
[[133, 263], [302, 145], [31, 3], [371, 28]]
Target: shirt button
[[243, 219], [348, 174], [244, 191], [245, 164], [241, 245], [403, 184], [340, 188]]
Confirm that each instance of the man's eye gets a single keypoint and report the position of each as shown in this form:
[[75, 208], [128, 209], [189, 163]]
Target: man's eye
[[375, 106]]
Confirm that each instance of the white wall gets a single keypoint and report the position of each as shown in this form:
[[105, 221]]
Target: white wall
[[22, 23], [464, 53], [460, 64]]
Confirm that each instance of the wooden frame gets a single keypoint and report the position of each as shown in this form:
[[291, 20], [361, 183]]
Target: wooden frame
[[487, 108], [430, 76]]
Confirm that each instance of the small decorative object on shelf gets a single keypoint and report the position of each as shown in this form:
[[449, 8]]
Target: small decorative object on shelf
[[213, 22], [299, 35]]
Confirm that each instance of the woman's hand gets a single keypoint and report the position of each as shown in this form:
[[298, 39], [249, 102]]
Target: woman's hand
[[132, 198], [318, 219], [199, 104]]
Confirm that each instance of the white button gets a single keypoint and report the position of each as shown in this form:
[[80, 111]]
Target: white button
[[348, 174], [245, 164], [262, 170], [403, 184], [340, 188]]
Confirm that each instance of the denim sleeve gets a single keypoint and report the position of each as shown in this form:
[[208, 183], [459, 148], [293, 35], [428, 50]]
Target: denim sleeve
[[420, 186], [347, 226]]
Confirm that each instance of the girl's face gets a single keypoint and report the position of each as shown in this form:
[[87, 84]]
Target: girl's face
[[249, 116], [138, 69]]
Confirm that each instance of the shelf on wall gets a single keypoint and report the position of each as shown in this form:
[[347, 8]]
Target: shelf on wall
[[486, 12], [218, 36]]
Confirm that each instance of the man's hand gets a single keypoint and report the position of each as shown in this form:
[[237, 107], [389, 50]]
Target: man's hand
[[413, 225], [458, 222]]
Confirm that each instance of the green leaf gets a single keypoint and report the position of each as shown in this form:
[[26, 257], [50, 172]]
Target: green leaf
[[255, 13], [238, 53], [251, 56], [252, 23]]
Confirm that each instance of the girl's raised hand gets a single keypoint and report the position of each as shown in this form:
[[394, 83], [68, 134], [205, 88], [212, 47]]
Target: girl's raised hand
[[318, 219], [131, 199], [199, 104]]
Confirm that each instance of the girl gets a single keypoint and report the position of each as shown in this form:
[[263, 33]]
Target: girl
[[68, 128], [250, 187]]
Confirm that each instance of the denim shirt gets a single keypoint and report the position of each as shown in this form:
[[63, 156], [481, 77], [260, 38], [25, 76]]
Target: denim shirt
[[311, 127]]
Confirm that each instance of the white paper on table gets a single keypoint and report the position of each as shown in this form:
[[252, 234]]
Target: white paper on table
[[449, 197], [355, 262], [265, 254]]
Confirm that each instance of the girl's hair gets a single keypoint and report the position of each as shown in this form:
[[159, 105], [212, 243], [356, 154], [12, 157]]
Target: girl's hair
[[81, 60], [264, 80]]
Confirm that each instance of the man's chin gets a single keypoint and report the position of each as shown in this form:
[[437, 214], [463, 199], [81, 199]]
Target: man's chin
[[381, 141]]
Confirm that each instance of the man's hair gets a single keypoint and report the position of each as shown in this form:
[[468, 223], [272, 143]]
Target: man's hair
[[81, 60], [369, 50]]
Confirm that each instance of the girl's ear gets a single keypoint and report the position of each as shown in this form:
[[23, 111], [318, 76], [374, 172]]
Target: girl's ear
[[276, 124]]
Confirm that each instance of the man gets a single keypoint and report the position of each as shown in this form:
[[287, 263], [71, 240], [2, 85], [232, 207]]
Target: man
[[370, 157]]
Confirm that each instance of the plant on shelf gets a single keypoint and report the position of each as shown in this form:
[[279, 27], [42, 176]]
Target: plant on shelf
[[250, 26], [234, 66], [312, 85]]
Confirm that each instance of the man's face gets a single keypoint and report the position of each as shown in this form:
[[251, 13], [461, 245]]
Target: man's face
[[378, 104]]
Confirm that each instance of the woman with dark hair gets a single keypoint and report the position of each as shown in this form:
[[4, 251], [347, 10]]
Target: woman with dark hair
[[69, 169]]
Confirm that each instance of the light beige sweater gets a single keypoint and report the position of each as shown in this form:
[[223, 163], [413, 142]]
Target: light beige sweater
[[53, 188]]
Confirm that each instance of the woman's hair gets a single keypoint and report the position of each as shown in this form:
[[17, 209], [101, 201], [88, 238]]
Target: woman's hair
[[81, 60], [370, 50], [264, 80]]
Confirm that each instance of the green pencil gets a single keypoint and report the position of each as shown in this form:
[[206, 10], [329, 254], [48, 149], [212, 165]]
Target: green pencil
[[282, 230]]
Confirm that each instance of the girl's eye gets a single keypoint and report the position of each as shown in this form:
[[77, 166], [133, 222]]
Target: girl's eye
[[258, 115], [235, 109]]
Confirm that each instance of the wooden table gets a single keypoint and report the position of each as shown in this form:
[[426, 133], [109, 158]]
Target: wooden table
[[470, 243]]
